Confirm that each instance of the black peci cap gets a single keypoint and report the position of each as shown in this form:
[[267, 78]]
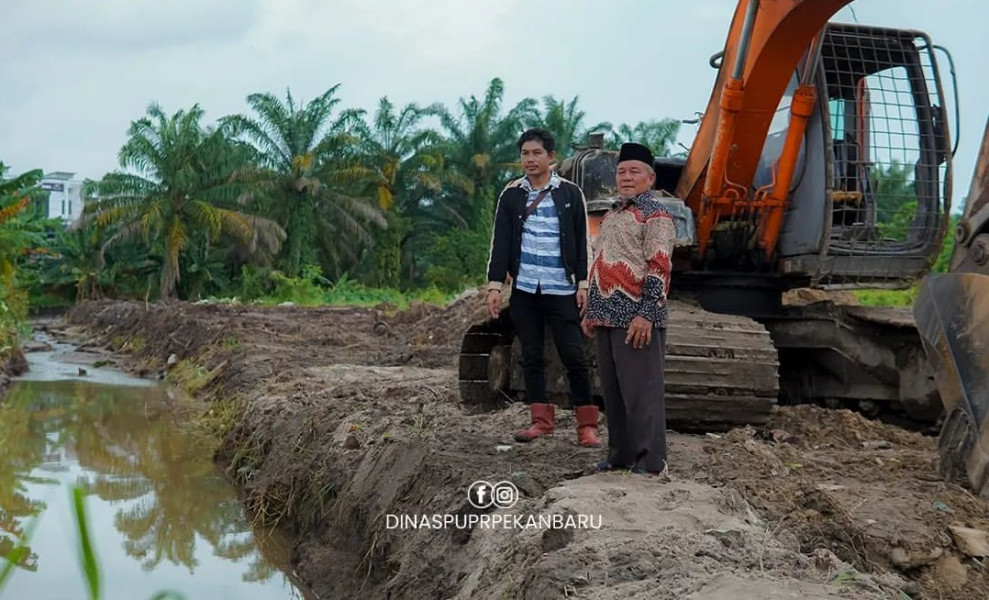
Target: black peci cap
[[633, 151]]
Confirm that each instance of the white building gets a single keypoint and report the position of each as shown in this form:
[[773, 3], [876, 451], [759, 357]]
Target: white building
[[64, 196]]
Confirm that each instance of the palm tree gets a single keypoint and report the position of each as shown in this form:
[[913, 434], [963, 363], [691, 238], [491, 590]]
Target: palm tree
[[895, 199], [481, 146], [75, 262], [298, 156], [404, 167], [179, 193], [395, 154], [15, 233], [658, 136], [565, 122]]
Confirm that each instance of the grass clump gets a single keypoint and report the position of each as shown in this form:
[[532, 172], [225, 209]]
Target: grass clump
[[311, 288], [888, 298]]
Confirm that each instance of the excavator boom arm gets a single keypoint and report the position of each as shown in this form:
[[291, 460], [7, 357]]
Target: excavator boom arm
[[765, 43]]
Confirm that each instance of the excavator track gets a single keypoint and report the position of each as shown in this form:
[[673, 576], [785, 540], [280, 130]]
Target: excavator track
[[721, 371]]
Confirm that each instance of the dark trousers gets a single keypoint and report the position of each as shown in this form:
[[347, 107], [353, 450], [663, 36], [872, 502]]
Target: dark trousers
[[530, 314], [632, 384]]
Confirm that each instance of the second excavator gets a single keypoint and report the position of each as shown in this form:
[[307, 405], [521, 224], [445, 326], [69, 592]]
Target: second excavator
[[822, 161]]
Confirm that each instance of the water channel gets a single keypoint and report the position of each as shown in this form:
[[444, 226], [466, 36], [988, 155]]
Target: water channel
[[161, 516]]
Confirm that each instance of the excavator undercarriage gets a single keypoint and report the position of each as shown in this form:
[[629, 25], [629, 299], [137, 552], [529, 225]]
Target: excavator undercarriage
[[724, 371], [721, 370]]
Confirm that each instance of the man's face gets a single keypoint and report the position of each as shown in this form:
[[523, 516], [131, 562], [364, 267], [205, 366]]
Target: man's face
[[535, 159], [633, 178]]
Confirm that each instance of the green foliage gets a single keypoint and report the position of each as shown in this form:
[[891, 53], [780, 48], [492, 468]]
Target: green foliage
[[19, 228], [566, 122], [306, 289], [460, 260], [255, 282], [943, 263], [658, 136], [896, 199], [297, 173], [176, 193], [19, 234], [887, 297], [385, 268], [89, 567], [13, 312], [269, 287], [399, 199], [347, 292]]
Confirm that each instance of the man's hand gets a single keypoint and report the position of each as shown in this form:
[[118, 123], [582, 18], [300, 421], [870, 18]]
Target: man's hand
[[494, 303], [582, 301], [639, 332], [587, 328]]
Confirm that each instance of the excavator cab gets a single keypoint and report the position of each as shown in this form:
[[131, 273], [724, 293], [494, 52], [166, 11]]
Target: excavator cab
[[868, 201]]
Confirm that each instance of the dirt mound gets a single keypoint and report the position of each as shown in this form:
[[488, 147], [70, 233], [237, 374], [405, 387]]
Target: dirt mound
[[342, 449], [446, 327], [813, 426], [803, 296], [867, 491], [254, 342]]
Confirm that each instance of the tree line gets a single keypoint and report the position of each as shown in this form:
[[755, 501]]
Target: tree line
[[400, 197], [303, 196]]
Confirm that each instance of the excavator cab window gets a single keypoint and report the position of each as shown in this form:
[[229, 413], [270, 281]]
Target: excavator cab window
[[852, 196], [881, 89]]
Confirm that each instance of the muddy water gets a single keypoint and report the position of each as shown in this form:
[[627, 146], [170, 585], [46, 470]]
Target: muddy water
[[161, 516]]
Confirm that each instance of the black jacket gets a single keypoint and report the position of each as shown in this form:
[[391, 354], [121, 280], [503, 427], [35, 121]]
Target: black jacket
[[506, 239]]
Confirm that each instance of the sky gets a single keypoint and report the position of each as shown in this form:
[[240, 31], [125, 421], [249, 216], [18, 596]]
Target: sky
[[75, 73]]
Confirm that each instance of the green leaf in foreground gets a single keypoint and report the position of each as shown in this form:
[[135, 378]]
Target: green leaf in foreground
[[89, 566], [168, 595]]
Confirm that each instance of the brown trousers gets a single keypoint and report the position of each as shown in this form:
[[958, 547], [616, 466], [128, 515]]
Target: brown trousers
[[632, 383]]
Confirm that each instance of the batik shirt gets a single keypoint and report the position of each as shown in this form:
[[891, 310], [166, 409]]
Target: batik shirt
[[630, 275]]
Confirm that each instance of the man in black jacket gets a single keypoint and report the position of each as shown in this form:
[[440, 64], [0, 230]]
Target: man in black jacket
[[540, 242]]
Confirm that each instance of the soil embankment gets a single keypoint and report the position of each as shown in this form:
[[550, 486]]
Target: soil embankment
[[332, 419], [12, 364]]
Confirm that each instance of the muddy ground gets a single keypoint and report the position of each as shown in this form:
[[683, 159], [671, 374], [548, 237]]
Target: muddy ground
[[332, 419]]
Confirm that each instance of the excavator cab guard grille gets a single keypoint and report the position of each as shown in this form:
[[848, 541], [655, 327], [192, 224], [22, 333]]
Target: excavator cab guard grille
[[888, 182]]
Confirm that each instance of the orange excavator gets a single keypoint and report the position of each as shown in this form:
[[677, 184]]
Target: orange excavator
[[823, 161]]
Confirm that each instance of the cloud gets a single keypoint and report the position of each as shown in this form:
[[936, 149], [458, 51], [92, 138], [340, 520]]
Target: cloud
[[75, 73], [124, 25]]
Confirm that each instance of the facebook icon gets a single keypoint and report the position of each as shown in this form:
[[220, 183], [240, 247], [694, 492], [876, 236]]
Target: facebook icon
[[479, 494]]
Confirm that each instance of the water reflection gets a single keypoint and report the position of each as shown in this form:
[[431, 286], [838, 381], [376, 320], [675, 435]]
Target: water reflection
[[148, 485]]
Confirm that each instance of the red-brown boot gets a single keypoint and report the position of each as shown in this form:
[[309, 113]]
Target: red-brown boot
[[543, 421], [587, 426]]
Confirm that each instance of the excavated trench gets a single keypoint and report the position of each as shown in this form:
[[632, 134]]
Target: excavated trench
[[336, 423]]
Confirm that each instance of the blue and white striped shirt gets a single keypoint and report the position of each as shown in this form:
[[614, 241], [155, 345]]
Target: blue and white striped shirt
[[541, 266]]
